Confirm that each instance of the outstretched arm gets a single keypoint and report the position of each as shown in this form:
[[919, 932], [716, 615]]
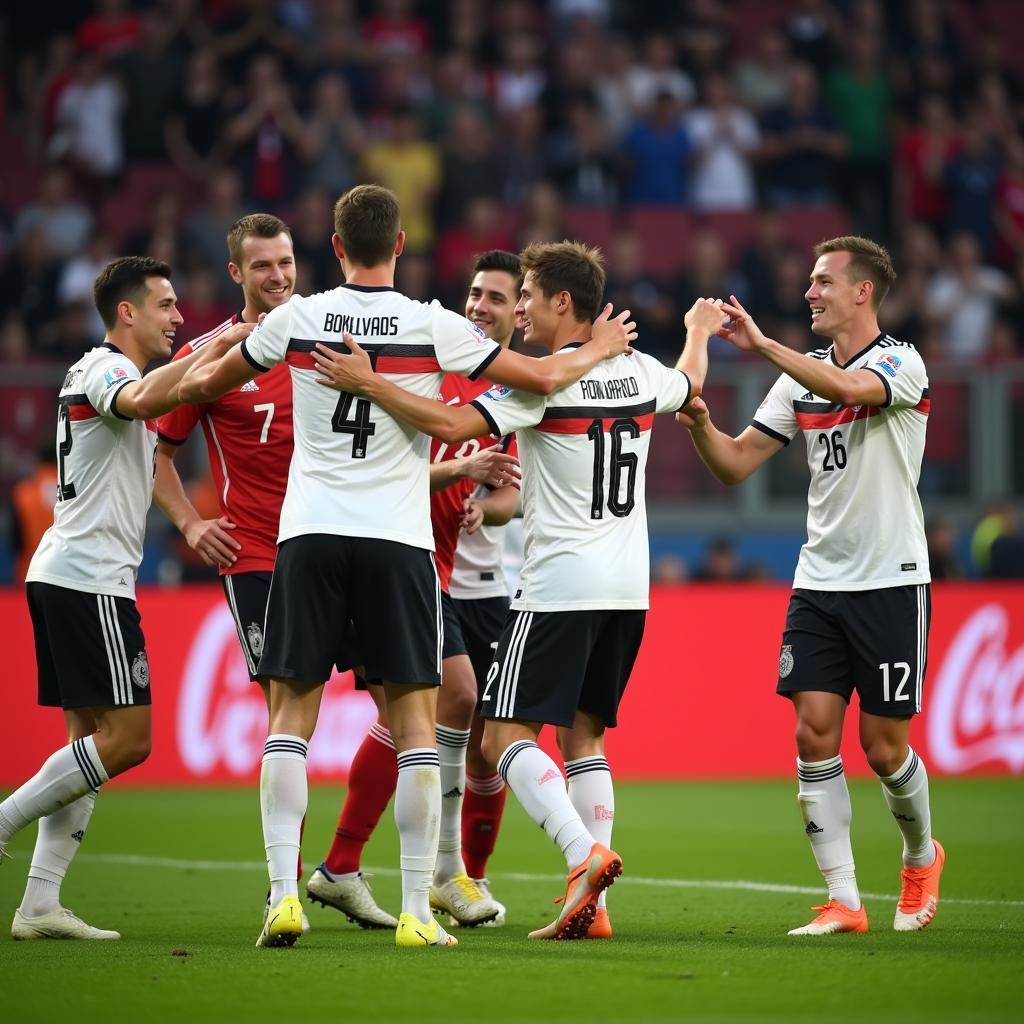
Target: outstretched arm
[[847, 387], [731, 459], [213, 379], [704, 318], [492, 466]]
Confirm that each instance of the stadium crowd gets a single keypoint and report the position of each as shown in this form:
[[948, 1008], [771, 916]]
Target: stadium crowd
[[704, 144]]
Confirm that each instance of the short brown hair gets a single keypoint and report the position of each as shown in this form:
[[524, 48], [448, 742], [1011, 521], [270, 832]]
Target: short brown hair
[[125, 278], [867, 260], [499, 259], [570, 267], [257, 225], [367, 219]]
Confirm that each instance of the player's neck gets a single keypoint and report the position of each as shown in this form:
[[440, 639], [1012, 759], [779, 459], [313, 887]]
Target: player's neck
[[128, 347], [848, 343], [570, 331], [250, 314], [380, 276]]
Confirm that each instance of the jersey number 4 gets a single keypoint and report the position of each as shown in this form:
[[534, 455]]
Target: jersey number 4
[[619, 504], [360, 426]]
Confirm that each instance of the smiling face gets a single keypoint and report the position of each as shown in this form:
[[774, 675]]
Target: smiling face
[[155, 318], [266, 273], [536, 312], [835, 298], [491, 304]]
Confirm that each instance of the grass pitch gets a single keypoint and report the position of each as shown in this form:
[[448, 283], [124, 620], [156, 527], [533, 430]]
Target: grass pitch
[[715, 875]]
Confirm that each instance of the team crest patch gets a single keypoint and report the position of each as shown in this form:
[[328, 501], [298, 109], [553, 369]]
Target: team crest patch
[[786, 661], [254, 634], [478, 331], [115, 375], [499, 391], [889, 364], [140, 670]]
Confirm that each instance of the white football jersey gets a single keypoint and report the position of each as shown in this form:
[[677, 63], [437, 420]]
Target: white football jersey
[[584, 464], [865, 528], [479, 563], [357, 471], [105, 464]]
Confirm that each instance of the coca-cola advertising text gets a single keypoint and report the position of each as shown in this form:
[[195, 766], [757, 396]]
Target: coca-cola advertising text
[[701, 701]]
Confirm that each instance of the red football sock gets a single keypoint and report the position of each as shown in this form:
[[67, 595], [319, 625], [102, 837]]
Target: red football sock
[[371, 783], [482, 808]]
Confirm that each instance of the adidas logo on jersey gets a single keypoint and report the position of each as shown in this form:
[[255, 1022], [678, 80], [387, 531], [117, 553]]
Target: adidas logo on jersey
[[808, 397], [249, 385]]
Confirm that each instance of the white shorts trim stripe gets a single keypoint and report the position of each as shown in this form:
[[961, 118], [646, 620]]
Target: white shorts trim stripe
[[922, 643], [438, 614], [116, 657], [229, 589], [509, 678]]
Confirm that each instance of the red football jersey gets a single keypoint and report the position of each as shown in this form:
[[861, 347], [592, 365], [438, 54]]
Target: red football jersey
[[446, 505], [249, 440]]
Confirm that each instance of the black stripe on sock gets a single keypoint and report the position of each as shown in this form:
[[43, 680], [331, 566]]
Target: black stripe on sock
[[285, 747], [595, 764], [819, 774], [907, 775], [451, 737], [427, 759], [506, 759], [85, 766]]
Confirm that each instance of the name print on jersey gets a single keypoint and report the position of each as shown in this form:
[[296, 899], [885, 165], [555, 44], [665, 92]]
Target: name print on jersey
[[380, 326], [602, 390]]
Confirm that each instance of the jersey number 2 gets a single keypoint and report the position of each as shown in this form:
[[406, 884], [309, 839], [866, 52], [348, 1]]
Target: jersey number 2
[[621, 462], [65, 490]]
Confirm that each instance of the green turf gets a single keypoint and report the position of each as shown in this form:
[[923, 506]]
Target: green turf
[[680, 951]]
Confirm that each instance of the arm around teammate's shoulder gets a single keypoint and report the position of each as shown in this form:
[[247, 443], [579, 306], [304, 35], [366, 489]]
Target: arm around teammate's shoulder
[[730, 459]]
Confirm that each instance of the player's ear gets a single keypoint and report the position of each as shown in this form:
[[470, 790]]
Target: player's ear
[[235, 272], [339, 249], [125, 313], [400, 243]]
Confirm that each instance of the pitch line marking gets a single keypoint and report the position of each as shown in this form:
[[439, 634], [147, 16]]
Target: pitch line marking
[[135, 860]]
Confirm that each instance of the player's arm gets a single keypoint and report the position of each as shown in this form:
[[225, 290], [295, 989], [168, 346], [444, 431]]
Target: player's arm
[[216, 378], [847, 387], [494, 509], [704, 318], [731, 459], [610, 337], [354, 373], [492, 467], [208, 538]]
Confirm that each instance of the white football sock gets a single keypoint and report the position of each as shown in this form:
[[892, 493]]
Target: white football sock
[[283, 797], [67, 774], [451, 751], [593, 796], [418, 817], [825, 806], [539, 787], [59, 838], [906, 793]]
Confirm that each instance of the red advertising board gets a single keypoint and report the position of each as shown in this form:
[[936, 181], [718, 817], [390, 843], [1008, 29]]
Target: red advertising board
[[701, 702]]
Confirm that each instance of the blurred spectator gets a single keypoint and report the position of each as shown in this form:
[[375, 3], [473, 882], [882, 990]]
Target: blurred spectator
[[480, 230], [964, 299], [758, 262], [393, 29], [721, 564], [520, 78], [858, 94], [657, 72], [70, 335], [194, 126], [904, 312], [999, 521], [456, 84], [800, 145], [333, 137], [669, 570], [28, 284], [151, 74], [339, 50], [656, 151], [250, 29], [471, 165], [971, 179], [163, 232], [414, 276], [32, 501], [410, 166], [87, 129], [574, 75], [64, 221], [923, 154], [522, 136], [208, 226], [786, 307], [42, 95], [708, 275], [200, 306], [942, 557], [581, 160], [78, 276], [542, 218], [1009, 205], [264, 131], [724, 137], [704, 33], [762, 81], [312, 225], [612, 86], [926, 40], [112, 31], [810, 27], [628, 287]]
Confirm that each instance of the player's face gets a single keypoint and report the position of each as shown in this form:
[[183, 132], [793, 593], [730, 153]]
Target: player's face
[[535, 312], [267, 273], [832, 296], [157, 318], [491, 304]]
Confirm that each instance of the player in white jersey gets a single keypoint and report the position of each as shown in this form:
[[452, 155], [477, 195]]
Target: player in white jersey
[[355, 538], [90, 651], [858, 617], [569, 644]]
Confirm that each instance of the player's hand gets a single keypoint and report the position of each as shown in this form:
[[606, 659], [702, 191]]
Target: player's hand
[[694, 415], [211, 540], [706, 315], [741, 329], [491, 467], [227, 340], [344, 372], [614, 334], [472, 516]]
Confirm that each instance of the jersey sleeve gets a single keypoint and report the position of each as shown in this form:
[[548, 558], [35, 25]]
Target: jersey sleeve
[[507, 411], [175, 426], [902, 372], [671, 387], [104, 380], [267, 346], [461, 346], [775, 416]]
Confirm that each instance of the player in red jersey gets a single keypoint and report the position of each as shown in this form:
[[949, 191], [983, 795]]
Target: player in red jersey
[[459, 506]]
